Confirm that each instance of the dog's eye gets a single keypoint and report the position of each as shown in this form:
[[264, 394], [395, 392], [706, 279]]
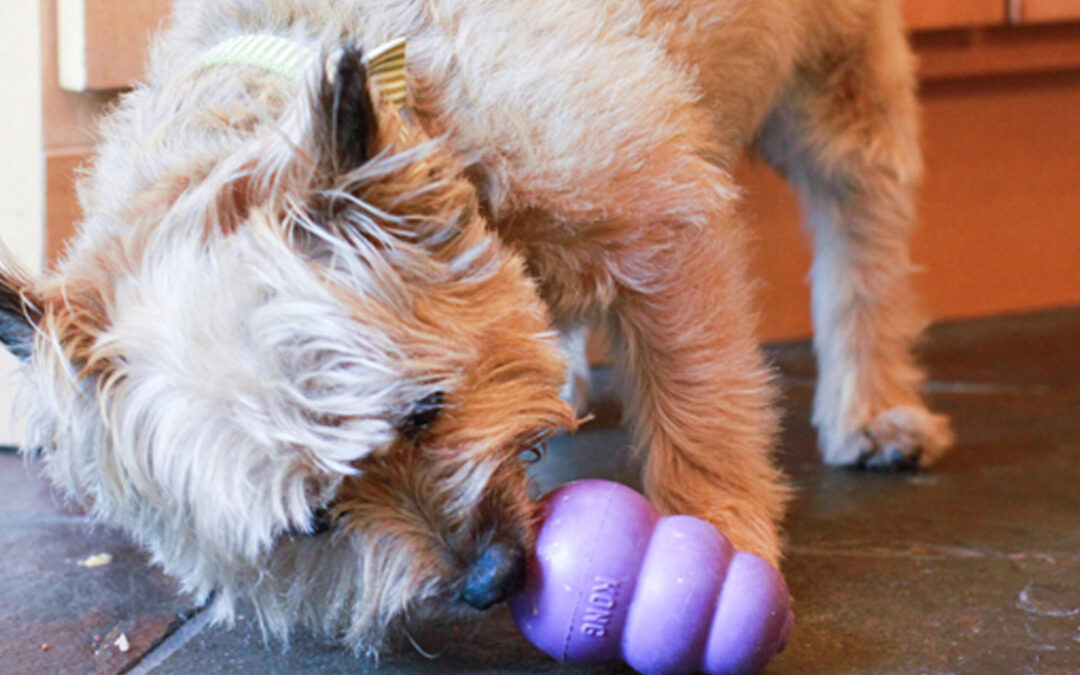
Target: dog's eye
[[423, 414], [320, 522]]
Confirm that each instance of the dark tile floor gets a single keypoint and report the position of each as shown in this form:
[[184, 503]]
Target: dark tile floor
[[973, 568]]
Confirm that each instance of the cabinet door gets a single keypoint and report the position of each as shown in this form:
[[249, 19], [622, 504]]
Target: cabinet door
[[929, 14], [1033, 11], [103, 42]]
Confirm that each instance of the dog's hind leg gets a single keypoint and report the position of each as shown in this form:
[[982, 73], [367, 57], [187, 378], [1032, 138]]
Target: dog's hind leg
[[846, 138]]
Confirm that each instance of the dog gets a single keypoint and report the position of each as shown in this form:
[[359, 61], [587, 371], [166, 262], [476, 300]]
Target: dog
[[307, 330]]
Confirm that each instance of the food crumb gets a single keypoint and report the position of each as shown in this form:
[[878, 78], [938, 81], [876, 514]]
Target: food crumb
[[122, 643], [99, 560]]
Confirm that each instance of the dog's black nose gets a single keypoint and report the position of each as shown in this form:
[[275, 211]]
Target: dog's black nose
[[494, 576]]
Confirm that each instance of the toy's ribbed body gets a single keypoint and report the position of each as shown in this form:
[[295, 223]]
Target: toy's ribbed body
[[613, 580]]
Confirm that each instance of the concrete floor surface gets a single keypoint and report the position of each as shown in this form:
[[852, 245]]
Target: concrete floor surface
[[971, 568]]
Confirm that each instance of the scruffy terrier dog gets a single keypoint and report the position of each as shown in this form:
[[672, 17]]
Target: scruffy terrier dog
[[305, 334]]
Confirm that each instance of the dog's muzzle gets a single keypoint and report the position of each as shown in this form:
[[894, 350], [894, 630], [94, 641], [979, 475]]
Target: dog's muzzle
[[494, 576]]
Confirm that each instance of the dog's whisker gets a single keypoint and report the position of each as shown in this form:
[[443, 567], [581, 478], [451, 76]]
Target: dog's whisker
[[430, 656]]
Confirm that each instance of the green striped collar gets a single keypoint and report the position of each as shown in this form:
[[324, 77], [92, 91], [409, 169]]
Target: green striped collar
[[385, 64], [269, 52]]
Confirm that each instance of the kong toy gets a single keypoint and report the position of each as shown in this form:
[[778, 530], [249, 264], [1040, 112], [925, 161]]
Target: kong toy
[[612, 579]]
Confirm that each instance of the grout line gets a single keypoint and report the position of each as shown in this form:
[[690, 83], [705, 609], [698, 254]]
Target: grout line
[[986, 388], [173, 643], [951, 387], [931, 552]]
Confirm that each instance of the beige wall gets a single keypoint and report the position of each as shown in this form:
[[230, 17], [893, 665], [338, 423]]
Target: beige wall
[[22, 167], [21, 171]]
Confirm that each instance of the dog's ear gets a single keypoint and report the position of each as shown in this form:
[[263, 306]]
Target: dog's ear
[[20, 310], [348, 124]]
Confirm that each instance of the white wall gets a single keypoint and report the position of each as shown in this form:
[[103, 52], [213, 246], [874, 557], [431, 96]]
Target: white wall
[[22, 164]]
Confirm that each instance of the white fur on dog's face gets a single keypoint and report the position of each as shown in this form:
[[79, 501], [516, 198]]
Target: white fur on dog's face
[[240, 384], [233, 392], [234, 377]]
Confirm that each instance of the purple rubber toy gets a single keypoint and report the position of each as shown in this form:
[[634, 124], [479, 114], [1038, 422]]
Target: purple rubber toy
[[611, 579]]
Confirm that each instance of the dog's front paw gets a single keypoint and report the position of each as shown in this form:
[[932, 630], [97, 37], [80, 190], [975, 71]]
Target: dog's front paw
[[762, 542], [904, 438], [751, 522]]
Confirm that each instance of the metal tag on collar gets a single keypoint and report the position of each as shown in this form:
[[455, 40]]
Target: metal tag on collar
[[386, 69]]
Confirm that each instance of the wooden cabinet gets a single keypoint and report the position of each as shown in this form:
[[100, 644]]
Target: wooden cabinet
[[1035, 11], [936, 14], [103, 42], [993, 51], [967, 38], [952, 14]]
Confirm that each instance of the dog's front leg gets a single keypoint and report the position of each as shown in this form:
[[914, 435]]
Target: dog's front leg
[[702, 400]]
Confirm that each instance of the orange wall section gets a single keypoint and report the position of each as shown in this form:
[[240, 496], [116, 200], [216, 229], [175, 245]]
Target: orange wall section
[[999, 212]]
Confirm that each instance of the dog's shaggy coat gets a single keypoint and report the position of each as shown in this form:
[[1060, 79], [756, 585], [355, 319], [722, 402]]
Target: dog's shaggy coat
[[290, 302]]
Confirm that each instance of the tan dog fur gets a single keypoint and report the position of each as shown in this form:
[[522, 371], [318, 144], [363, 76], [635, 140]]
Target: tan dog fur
[[249, 313]]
